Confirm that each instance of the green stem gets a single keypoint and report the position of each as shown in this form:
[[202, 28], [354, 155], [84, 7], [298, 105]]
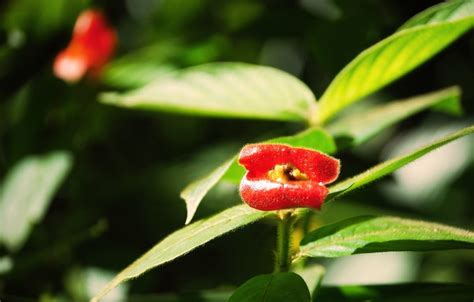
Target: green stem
[[283, 256]]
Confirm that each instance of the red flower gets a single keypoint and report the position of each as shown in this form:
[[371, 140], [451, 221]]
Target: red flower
[[92, 45], [282, 177]]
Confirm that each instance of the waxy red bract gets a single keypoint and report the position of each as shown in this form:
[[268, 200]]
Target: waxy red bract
[[260, 191], [92, 45]]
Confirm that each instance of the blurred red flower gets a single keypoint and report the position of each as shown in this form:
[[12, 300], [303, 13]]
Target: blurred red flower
[[92, 45]]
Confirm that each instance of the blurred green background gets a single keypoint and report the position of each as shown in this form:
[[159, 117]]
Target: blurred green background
[[128, 167]]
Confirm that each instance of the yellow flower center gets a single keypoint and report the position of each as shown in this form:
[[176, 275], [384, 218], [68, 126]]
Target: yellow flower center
[[285, 173]]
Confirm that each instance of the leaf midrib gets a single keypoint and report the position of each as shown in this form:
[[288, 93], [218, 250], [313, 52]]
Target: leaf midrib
[[265, 293]]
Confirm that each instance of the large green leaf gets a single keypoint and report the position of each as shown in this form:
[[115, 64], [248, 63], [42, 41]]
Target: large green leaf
[[418, 40], [231, 171], [124, 73], [224, 90], [281, 287], [26, 193], [185, 240], [410, 292], [391, 165], [357, 128], [372, 234]]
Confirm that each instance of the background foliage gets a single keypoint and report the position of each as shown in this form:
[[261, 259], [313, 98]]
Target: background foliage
[[121, 195]]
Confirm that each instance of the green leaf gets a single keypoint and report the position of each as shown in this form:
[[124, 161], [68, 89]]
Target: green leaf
[[409, 292], [281, 287], [358, 128], [231, 171], [234, 90], [26, 192], [195, 192], [185, 240], [313, 138], [130, 74], [391, 165], [372, 234], [417, 41]]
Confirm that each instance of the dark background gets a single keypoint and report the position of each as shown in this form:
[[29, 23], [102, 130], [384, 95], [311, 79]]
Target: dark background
[[122, 195]]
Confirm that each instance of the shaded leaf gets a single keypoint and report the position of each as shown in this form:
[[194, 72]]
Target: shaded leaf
[[281, 287], [371, 234], [26, 192], [418, 40], [358, 128], [195, 192], [223, 90], [185, 240], [392, 165], [141, 66]]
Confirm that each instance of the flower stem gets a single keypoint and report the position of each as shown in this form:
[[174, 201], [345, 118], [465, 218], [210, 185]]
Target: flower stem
[[283, 255]]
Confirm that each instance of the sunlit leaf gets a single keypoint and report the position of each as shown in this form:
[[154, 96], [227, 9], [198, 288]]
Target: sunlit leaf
[[391, 165], [26, 192], [280, 287], [371, 234], [185, 240], [231, 171], [358, 128], [418, 40], [223, 90]]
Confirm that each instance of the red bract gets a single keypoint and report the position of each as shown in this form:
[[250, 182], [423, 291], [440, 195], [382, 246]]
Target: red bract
[[92, 45], [282, 177]]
